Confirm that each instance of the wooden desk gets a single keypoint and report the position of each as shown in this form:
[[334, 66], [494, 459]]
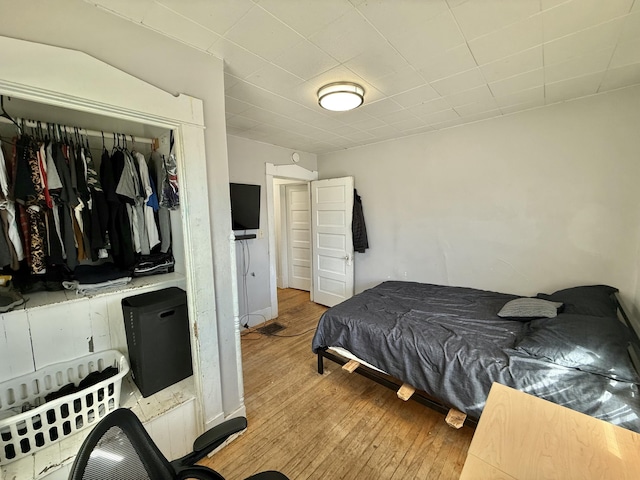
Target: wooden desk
[[520, 436]]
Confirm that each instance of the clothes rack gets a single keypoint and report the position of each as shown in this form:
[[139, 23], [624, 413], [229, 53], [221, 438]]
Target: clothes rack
[[82, 131]]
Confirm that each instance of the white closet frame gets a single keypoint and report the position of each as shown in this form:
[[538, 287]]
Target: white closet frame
[[73, 80]]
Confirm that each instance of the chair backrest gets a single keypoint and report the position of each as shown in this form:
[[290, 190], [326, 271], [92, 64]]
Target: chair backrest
[[120, 448]]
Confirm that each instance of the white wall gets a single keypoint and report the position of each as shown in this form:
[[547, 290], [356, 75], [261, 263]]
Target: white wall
[[175, 68], [527, 203], [247, 159]]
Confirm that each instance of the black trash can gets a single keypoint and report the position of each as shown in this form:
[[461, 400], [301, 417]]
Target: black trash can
[[157, 327]]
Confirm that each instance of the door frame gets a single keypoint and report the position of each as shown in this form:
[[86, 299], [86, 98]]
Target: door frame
[[292, 172]]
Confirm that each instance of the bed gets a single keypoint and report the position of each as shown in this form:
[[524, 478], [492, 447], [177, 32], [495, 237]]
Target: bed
[[451, 345]]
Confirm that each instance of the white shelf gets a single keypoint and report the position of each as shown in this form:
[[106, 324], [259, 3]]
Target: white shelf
[[45, 299]]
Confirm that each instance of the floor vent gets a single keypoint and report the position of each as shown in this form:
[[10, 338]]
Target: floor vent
[[271, 328]]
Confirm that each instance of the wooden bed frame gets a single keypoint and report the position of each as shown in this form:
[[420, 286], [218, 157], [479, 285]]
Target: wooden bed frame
[[454, 418]]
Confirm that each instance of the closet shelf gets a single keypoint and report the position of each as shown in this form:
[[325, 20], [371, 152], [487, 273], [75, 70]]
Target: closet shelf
[[45, 299]]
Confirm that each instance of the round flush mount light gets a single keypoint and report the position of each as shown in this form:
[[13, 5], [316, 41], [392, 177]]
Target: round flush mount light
[[341, 96]]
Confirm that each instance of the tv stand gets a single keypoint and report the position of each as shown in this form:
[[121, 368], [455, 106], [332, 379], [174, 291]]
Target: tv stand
[[246, 236]]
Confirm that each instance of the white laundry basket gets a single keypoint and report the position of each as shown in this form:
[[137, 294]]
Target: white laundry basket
[[25, 433]]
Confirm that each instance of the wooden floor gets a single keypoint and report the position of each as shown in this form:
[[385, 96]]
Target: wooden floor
[[332, 426]]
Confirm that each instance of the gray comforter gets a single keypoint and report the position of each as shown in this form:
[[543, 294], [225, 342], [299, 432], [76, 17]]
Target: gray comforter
[[450, 343]]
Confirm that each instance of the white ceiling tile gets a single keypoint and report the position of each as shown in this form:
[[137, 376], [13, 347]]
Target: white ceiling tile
[[360, 136], [432, 39], [342, 129], [255, 96], [429, 108], [218, 18], [347, 37], [241, 123], [238, 61], [522, 106], [450, 62], [524, 61], [442, 116], [583, 42], [386, 131], [449, 123], [169, 23], [535, 94], [419, 130], [455, 3], [367, 124], [473, 95], [397, 82], [393, 18], [377, 62], [578, 66], [235, 106], [418, 95], [305, 60], [306, 17], [261, 33], [547, 4], [398, 116], [479, 18], [621, 77], [631, 28], [381, 107], [274, 79], [573, 88], [626, 53], [516, 37], [483, 115], [235, 132], [230, 80], [134, 11], [476, 108], [409, 123], [516, 83], [576, 15], [459, 82]]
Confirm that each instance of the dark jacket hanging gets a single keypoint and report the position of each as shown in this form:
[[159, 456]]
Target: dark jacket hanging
[[358, 227]]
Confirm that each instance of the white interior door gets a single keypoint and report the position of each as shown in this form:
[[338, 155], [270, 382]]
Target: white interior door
[[299, 236], [332, 240]]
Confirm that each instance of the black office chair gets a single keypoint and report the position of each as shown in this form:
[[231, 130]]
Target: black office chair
[[120, 448]]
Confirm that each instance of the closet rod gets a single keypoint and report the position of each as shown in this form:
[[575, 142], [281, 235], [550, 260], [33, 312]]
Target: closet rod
[[82, 131]]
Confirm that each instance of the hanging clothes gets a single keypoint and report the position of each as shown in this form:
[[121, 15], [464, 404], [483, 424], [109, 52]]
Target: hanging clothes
[[29, 192], [358, 227], [156, 169], [153, 237], [8, 211], [119, 229], [57, 212]]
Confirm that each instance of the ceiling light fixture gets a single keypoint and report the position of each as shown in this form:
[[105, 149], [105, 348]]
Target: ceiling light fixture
[[341, 96]]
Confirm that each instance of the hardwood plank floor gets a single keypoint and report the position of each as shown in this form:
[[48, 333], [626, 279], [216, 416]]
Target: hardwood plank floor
[[331, 426]]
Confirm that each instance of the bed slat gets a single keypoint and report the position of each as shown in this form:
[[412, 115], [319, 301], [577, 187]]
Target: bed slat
[[405, 392], [351, 366], [455, 418]]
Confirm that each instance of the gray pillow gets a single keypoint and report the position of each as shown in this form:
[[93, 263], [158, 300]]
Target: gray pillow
[[529, 308]]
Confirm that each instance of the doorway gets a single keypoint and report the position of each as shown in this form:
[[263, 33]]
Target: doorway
[[294, 241], [277, 178]]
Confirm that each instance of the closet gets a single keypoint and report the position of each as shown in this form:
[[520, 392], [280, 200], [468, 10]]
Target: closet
[[65, 87]]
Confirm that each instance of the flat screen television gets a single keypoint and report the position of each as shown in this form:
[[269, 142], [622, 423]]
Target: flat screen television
[[245, 206]]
